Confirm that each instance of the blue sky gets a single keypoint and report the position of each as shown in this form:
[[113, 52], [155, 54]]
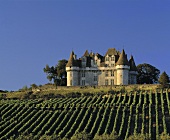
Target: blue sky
[[34, 33]]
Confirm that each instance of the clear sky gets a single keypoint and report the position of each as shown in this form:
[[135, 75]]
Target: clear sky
[[34, 33]]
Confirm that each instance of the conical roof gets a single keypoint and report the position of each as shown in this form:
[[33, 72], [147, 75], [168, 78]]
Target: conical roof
[[132, 64], [86, 53], [91, 54], [71, 60], [122, 59]]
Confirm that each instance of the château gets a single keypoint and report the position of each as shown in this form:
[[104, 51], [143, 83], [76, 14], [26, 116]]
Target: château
[[92, 69]]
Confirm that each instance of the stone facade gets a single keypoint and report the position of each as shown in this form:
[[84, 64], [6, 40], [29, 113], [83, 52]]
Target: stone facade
[[95, 69]]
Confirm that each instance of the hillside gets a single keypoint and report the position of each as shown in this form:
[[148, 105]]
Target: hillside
[[50, 91], [121, 114]]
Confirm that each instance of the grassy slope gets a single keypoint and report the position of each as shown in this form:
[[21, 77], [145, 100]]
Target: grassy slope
[[47, 89]]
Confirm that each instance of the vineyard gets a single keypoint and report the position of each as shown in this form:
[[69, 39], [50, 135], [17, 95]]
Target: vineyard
[[123, 114]]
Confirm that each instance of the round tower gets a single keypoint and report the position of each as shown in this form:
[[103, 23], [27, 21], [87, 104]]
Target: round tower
[[133, 71], [72, 71], [122, 70]]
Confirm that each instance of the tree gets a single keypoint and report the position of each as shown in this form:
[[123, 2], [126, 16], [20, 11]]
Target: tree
[[61, 70], [33, 86], [164, 79], [147, 74], [24, 88], [57, 73]]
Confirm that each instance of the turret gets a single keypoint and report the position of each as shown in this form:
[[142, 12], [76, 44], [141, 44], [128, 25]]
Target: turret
[[133, 71], [84, 59], [72, 70], [71, 60], [122, 69]]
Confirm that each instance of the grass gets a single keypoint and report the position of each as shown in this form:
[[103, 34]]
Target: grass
[[50, 89]]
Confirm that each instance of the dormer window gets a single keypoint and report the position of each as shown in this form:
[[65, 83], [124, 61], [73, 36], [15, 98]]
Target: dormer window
[[112, 58], [107, 58]]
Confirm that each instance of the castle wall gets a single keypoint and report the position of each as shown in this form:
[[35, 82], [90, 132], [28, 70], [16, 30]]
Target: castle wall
[[122, 74], [101, 78], [115, 77], [72, 76], [94, 72], [89, 78], [106, 80], [69, 78], [75, 76], [133, 77]]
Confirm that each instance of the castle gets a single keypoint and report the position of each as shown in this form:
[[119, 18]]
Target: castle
[[95, 69]]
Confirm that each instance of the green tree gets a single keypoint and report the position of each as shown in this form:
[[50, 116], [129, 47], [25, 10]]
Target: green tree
[[164, 79], [147, 74], [57, 74], [33, 86], [24, 88], [61, 70]]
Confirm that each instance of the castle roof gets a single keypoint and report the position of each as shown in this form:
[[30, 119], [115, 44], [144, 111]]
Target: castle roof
[[71, 61], [91, 54], [132, 64], [86, 53], [122, 59], [112, 51], [99, 56]]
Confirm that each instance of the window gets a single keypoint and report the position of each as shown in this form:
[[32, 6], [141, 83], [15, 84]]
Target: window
[[106, 74], [83, 73], [107, 58], [112, 65], [95, 78], [83, 82], [112, 82], [106, 82], [70, 74], [112, 58], [112, 73]]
